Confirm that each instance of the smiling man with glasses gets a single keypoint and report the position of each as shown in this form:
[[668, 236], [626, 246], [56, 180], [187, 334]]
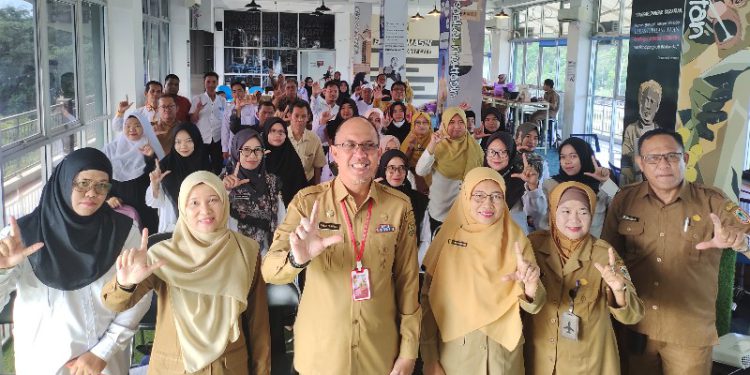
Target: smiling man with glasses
[[670, 233], [167, 110], [357, 239]]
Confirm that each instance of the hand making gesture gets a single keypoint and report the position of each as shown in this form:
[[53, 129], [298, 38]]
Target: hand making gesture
[[725, 236], [305, 241], [600, 173], [529, 174], [12, 251], [437, 137], [233, 180], [526, 273], [156, 176], [132, 264], [124, 105]]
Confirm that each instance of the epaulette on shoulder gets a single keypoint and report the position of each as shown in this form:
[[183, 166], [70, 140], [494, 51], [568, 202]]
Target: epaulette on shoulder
[[315, 189]]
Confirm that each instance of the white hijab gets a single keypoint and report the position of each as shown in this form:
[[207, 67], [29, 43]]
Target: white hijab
[[127, 160]]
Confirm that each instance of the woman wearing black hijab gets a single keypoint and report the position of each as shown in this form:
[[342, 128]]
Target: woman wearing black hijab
[[578, 163], [255, 202], [347, 110], [81, 238], [398, 127], [523, 198], [188, 155], [283, 159], [392, 171]]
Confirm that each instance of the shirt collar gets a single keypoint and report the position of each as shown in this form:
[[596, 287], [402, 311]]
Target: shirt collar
[[644, 190], [340, 193]]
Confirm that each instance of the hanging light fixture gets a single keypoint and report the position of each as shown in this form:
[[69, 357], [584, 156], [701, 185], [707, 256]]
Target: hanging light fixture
[[417, 16], [253, 5], [501, 15], [323, 8], [316, 13], [434, 11]]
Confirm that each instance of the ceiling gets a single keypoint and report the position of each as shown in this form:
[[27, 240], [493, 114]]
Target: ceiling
[[339, 6]]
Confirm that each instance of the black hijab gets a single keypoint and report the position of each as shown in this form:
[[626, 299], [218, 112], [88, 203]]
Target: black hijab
[[334, 124], [181, 167], [495, 112], [514, 186], [585, 153], [284, 162], [418, 200], [258, 185], [78, 250]]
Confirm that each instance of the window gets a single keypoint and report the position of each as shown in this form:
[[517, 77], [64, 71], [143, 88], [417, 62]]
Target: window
[[614, 17], [62, 64], [155, 39]]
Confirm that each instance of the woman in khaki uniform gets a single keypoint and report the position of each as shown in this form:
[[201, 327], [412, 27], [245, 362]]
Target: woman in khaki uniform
[[478, 280], [208, 284], [577, 337]]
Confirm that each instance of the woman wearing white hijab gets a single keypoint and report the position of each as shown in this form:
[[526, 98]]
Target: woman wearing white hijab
[[132, 160]]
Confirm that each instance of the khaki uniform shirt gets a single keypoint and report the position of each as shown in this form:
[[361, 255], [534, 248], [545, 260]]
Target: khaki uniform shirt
[[334, 334], [678, 284], [310, 152], [166, 355], [595, 351]]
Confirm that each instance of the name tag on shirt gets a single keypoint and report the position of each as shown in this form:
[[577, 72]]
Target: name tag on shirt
[[458, 243], [385, 228], [329, 226]]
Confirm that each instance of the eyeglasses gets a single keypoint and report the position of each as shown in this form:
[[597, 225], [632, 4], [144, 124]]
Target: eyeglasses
[[497, 153], [671, 157], [247, 151], [482, 197], [83, 186], [352, 146], [168, 107], [396, 168]]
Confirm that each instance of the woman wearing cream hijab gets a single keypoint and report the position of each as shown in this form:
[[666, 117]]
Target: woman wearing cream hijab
[[415, 144], [586, 275], [480, 273], [450, 155], [208, 284]]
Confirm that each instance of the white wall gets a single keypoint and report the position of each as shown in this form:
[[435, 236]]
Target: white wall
[[179, 41], [125, 52], [343, 43]]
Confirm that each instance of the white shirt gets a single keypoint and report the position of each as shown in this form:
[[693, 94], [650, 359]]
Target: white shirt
[[151, 115], [164, 207], [443, 191], [363, 107], [51, 326], [318, 128], [210, 117], [247, 117]]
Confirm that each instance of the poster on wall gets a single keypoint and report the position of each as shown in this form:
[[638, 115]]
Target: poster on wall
[[393, 39], [714, 99], [460, 58], [652, 77], [361, 38]]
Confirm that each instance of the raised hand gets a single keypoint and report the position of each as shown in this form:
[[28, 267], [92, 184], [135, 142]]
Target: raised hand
[[306, 242], [132, 264], [147, 150], [464, 106], [114, 202], [325, 117], [526, 273], [316, 90], [529, 174], [156, 176], [86, 363], [124, 105], [724, 237], [611, 276], [233, 180], [12, 250], [600, 173], [479, 132], [437, 137], [378, 93]]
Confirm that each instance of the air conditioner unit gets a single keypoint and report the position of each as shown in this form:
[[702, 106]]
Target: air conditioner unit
[[733, 350]]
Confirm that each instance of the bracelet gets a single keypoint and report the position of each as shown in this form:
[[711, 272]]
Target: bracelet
[[129, 290], [294, 263]]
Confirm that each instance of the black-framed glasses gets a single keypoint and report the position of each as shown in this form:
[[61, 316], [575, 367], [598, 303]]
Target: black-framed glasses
[[352, 146], [670, 157], [83, 186], [497, 153], [396, 168], [247, 151], [168, 107], [482, 197]]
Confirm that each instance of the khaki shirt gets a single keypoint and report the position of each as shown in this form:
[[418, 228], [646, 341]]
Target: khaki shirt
[[310, 152], [333, 333], [595, 352], [677, 283]]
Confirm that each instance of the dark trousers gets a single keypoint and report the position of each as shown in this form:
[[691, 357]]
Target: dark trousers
[[217, 159]]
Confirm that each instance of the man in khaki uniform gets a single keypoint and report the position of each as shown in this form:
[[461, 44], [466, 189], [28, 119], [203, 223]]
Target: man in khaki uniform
[[305, 142], [670, 233], [356, 317]]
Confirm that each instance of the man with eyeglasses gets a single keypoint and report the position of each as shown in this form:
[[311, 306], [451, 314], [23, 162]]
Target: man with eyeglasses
[[398, 94], [167, 120], [172, 87], [238, 114], [670, 233], [357, 239]]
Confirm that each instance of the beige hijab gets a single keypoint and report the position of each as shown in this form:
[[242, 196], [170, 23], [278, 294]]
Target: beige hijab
[[467, 261], [454, 158], [566, 246], [209, 277]]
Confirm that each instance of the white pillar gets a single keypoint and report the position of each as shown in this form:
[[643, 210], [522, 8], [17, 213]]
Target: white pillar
[[577, 70], [125, 52], [501, 48], [343, 44], [179, 41]]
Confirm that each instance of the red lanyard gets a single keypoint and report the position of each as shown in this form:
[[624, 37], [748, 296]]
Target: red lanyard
[[361, 251]]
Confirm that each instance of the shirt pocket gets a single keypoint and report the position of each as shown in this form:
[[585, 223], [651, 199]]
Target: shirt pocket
[[630, 230], [696, 233], [387, 246]]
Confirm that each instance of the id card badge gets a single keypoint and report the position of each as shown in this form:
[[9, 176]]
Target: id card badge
[[361, 284], [570, 325]]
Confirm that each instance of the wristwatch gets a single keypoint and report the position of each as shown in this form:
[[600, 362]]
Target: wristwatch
[[294, 263]]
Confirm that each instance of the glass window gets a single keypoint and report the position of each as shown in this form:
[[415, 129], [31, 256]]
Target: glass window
[[516, 75], [288, 61], [18, 95], [165, 8], [94, 134], [242, 60], [270, 34], [609, 16], [534, 22], [241, 29], [531, 77], [154, 8], [92, 51], [288, 29], [550, 24], [626, 17], [22, 183], [623, 67], [317, 31], [521, 24], [605, 67], [62, 64]]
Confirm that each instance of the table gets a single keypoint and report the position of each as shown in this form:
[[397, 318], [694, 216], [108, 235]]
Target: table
[[518, 110]]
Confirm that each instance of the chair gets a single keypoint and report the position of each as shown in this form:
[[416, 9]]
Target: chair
[[226, 90], [148, 322]]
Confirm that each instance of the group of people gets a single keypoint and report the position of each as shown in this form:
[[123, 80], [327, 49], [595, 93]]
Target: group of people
[[456, 246]]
